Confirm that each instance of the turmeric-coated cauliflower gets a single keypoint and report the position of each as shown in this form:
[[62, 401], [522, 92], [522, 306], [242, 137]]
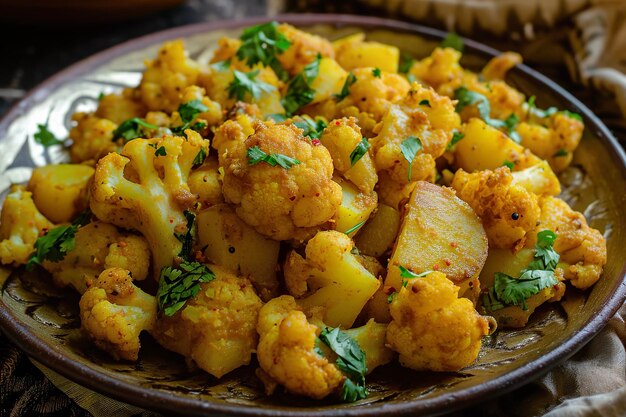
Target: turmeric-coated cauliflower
[[216, 329], [303, 50], [433, 329], [143, 190], [20, 226], [167, 76], [286, 351], [113, 312], [331, 278], [291, 202], [508, 211], [582, 248], [120, 107], [424, 115], [100, 246], [92, 138], [439, 69]]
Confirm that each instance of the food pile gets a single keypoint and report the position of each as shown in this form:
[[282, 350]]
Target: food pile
[[329, 207]]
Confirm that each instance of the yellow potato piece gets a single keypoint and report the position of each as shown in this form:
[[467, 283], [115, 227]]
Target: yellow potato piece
[[355, 207], [379, 233], [329, 80], [439, 232], [59, 191], [359, 54], [232, 244]]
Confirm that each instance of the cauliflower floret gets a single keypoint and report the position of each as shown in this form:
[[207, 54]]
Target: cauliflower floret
[[341, 138], [113, 312], [554, 140], [286, 351], [147, 192], [508, 211], [100, 246], [216, 328], [422, 114], [282, 203], [372, 340], [20, 226], [92, 138], [582, 248], [440, 68], [337, 283], [498, 66], [433, 329], [166, 76], [303, 50], [120, 107], [538, 179]]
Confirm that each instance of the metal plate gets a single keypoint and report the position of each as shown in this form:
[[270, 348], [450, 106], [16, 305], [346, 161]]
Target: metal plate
[[43, 320]]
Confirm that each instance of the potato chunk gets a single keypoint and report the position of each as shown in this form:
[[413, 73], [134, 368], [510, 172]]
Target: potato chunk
[[379, 233], [353, 53], [355, 207], [228, 241], [439, 232], [59, 191]]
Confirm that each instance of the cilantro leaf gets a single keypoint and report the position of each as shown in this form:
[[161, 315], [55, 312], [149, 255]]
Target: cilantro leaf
[[359, 151], [354, 228], [246, 83], [532, 108], [187, 238], [188, 112], [406, 62], [350, 361], [345, 90], [311, 128], [456, 137], [511, 123], [277, 117], [376, 72], [410, 147], [262, 44], [407, 274], [510, 291], [179, 284], [45, 137], [508, 164], [160, 151], [132, 129], [199, 159], [299, 91], [101, 95], [454, 41], [256, 155], [424, 103], [572, 115], [467, 97], [57, 242]]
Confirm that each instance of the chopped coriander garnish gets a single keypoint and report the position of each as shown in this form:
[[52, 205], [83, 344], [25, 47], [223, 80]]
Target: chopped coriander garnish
[[406, 62], [221, 65], [262, 44], [187, 238], [508, 164], [132, 129], [572, 115], [407, 274], [188, 112], [359, 151], [511, 123], [46, 138], [532, 108], [57, 242], [299, 91], [456, 138], [350, 361], [311, 128], [354, 228], [179, 284], [424, 103], [256, 155], [245, 83], [509, 291], [467, 97], [277, 117], [100, 96], [454, 41], [160, 151], [199, 159], [376, 72], [560, 152], [410, 147], [345, 90]]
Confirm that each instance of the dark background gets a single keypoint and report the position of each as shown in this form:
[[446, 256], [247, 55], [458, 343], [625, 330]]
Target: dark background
[[35, 48]]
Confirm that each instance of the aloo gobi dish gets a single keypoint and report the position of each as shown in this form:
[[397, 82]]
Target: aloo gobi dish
[[327, 207]]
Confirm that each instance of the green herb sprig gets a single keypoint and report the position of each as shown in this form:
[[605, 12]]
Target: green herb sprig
[[345, 90], [359, 151], [178, 285], [188, 112], [245, 85], [262, 44], [46, 138], [299, 91], [256, 155], [409, 148], [131, 129]]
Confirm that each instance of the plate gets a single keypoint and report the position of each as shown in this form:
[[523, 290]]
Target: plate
[[43, 320]]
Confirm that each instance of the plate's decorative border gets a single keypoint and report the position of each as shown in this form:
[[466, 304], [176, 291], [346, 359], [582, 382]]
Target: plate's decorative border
[[19, 152]]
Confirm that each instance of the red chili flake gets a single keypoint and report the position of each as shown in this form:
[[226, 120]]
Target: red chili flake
[[453, 244], [315, 142], [436, 267], [447, 261], [337, 122]]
